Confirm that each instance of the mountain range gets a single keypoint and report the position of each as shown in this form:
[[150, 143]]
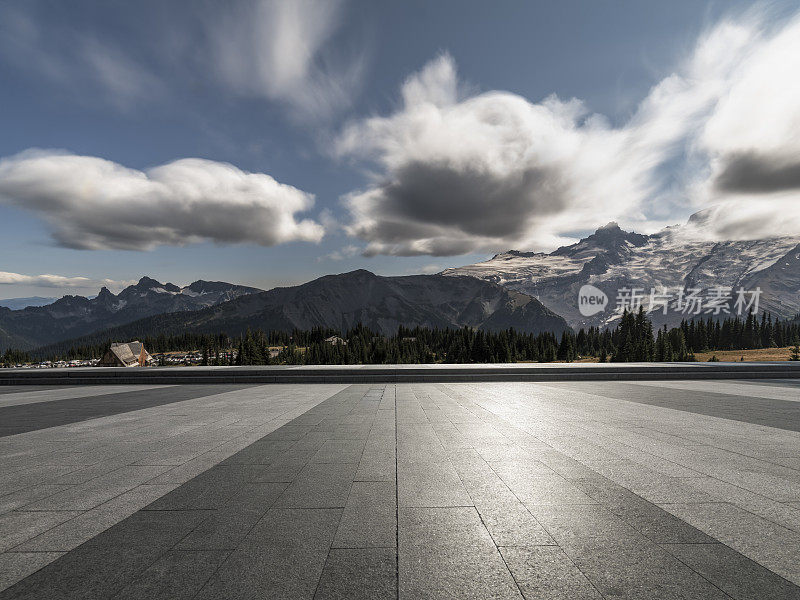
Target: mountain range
[[74, 316], [530, 291], [342, 301], [612, 259]]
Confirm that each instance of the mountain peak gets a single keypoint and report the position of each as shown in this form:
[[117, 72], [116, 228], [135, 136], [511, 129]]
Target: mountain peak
[[148, 283], [610, 231], [358, 273], [201, 286], [610, 226], [608, 238], [614, 234]]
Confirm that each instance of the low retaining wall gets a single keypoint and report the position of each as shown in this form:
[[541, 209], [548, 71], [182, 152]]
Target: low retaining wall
[[401, 373]]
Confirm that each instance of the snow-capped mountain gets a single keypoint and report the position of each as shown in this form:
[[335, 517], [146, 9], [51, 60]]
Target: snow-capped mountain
[[151, 294], [73, 316], [613, 261]]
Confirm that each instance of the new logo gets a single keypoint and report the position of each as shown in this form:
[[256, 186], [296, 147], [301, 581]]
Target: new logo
[[591, 300]]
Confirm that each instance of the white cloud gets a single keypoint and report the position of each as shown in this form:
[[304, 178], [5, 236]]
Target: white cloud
[[752, 142], [463, 172], [274, 49], [92, 203], [60, 281], [346, 252], [430, 269], [279, 50]]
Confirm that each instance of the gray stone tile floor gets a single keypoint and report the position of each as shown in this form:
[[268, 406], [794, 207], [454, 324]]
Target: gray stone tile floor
[[569, 490]]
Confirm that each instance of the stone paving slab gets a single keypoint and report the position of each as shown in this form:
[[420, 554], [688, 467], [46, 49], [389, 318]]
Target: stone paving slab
[[477, 490], [751, 408], [779, 390], [14, 389], [14, 396], [97, 488], [23, 417]]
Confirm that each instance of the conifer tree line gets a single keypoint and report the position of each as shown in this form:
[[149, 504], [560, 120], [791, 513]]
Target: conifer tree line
[[633, 339], [13, 357], [408, 346]]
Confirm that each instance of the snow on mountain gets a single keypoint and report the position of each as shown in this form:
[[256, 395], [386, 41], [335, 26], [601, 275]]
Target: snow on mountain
[[612, 260], [191, 297]]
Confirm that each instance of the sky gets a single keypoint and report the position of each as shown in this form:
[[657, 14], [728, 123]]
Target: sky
[[270, 142]]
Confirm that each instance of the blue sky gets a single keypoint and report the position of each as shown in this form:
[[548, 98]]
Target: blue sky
[[400, 137]]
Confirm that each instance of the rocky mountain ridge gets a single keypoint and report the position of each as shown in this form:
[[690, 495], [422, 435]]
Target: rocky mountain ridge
[[73, 316], [612, 260], [342, 301]]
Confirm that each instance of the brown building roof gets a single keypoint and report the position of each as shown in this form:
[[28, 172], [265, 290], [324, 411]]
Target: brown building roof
[[125, 354]]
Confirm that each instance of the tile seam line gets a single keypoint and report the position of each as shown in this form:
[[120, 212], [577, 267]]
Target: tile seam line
[[22, 508], [739, 507], [12, 551], [714, 585], [499, 552], [721, 543], [116, 593], [213, 572], [396, 502]]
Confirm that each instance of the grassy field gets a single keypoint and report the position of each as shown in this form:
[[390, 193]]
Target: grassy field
[[759, 355]]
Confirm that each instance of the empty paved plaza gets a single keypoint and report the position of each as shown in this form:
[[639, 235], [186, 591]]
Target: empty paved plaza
[[550, 490]]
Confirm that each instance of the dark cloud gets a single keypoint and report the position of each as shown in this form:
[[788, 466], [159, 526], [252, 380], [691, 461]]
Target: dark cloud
[[755, 173], [472, 200], [443, 209]]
